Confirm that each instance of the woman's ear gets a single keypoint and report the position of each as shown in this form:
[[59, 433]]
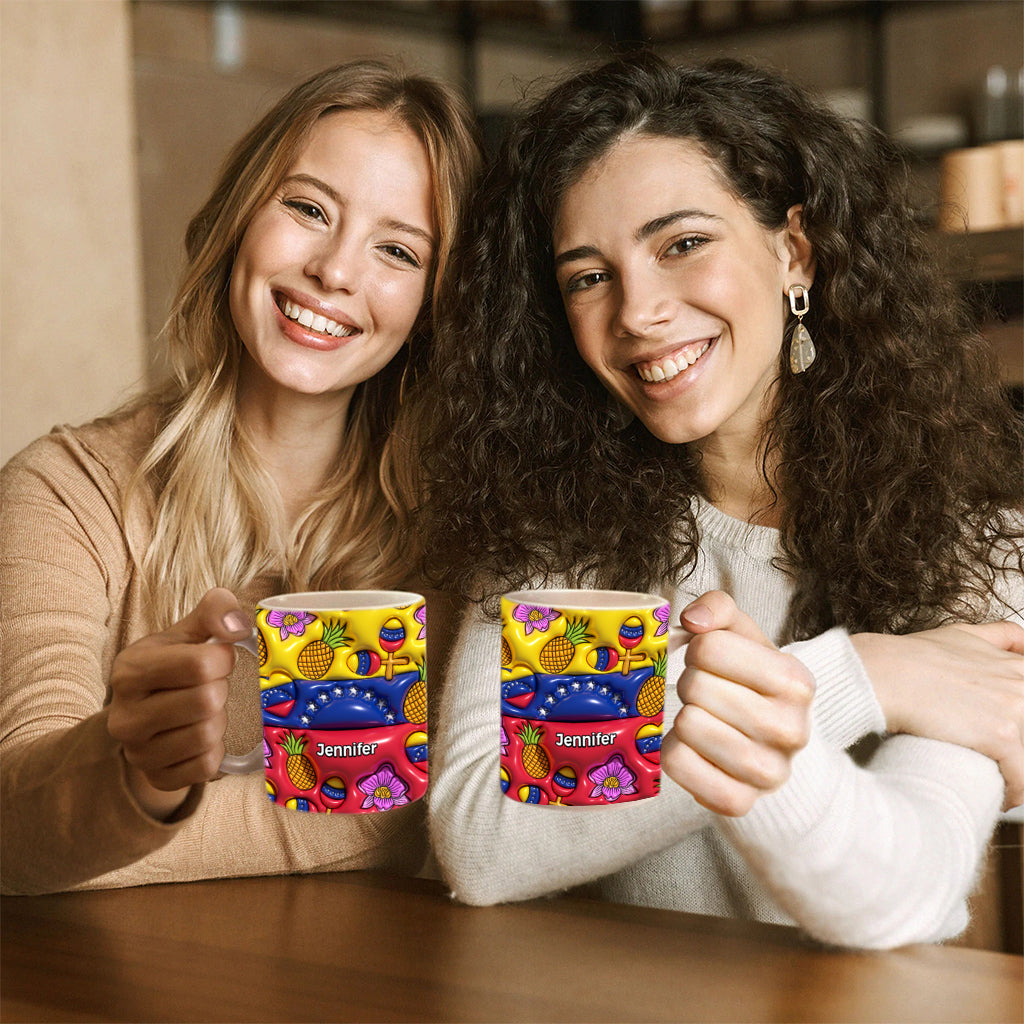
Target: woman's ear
[[801, 253]]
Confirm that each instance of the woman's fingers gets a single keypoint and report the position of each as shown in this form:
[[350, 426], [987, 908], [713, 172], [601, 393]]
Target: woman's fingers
[[763, 766], [746, 710], [199, 765], [779, 722], [151, 665], [764, 669], [705, 781], [217, 616], [169, 691], [716, 610], [137, 722]]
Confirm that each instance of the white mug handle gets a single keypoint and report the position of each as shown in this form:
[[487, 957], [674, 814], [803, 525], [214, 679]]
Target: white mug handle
[[242, 764], [677, 637]]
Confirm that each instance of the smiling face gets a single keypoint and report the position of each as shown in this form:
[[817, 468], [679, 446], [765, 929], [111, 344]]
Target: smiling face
[[332, 270], [673, 290]]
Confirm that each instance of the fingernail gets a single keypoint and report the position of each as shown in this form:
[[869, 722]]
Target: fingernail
[[235, 622], [699, 615]]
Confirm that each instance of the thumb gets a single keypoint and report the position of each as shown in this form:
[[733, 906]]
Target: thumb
[[218, 616], [717, 610]]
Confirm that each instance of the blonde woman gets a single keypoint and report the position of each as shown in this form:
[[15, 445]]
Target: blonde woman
[[274, 459]]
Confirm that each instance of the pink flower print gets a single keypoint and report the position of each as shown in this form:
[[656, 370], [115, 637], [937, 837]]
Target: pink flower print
[[383, 789], [267, 753], [420, 615], [534, 617], [662, 614], [504, 742], [293, 623], [613, 779]]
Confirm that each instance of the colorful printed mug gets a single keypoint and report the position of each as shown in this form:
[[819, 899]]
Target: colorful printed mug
[[343, 691], [582, 695]]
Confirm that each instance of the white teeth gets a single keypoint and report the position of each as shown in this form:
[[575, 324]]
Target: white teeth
[[314, 321], [667, 368]]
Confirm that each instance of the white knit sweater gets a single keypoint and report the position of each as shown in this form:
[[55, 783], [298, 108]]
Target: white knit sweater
[[875, 856]]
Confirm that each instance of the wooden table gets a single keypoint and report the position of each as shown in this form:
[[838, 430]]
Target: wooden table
[[364, 947]]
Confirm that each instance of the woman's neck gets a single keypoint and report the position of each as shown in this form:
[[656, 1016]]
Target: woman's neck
[[298, 439], [734, 470]]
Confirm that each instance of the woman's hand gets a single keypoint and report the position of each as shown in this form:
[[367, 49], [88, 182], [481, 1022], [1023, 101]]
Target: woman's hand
[[960, 683], [168, 696], [746, 710]]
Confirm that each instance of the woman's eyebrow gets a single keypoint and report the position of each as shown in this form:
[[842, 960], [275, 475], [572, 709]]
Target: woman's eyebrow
[[642, 234], [322, 186], [337, 198], [409, 229], [581, 252], [652, 227]]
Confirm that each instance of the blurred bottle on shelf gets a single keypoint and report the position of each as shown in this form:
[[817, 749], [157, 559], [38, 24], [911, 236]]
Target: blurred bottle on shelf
[[992, 122]]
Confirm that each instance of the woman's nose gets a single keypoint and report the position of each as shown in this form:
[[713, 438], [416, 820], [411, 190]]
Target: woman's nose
[[644, 305], [335, 264]]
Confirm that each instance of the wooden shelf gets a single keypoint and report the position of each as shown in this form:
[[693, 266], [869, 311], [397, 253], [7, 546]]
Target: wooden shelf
[[987, 257]]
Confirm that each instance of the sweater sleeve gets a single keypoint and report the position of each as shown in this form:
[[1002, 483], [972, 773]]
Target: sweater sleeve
[[67, 815], [880, 856], [69, 819], [845, 707], [492, 849]]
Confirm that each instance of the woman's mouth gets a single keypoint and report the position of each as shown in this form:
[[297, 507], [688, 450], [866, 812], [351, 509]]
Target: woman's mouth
[[314, 321], [657, 371]]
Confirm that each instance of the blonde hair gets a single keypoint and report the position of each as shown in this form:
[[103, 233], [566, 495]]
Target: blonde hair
[[217, 515]]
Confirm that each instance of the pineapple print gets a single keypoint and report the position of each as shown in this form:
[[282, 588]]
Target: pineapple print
[[556, 654], [299, 767], [415, 706], [317, 657], [506, 653], [651, 698], [264, 654], [536, 762]]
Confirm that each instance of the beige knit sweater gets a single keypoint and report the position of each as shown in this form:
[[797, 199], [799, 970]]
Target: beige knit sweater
[[71, 600]]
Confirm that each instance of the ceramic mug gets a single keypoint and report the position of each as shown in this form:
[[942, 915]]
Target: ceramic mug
[[582, 695], [344, 700]]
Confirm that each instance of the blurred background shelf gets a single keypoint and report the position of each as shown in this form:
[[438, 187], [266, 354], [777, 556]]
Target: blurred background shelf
[[987, 257]]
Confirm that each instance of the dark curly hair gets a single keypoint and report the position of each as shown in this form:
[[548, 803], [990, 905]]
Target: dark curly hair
[[899, 457]]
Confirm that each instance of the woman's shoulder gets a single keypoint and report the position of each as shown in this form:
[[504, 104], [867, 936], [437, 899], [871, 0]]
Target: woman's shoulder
[[107, 449]]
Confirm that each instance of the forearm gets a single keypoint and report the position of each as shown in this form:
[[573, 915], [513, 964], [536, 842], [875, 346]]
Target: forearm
[[876, 857], [493, 849], [845, 707], [68, 815], [70, 822]]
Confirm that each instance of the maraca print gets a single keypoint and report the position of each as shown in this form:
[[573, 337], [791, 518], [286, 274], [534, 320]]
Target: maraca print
[[582, 700], [344, 702]]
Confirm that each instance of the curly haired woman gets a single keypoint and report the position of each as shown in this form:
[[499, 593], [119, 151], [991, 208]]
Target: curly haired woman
[[699, 346], [274, 460]]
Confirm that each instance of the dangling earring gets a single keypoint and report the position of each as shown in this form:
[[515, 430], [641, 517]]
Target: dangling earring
[[801, 348]]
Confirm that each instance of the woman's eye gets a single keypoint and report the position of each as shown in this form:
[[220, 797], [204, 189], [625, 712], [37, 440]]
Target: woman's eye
[[682, 246], [399, 252], [310, 210], [585, 281]]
